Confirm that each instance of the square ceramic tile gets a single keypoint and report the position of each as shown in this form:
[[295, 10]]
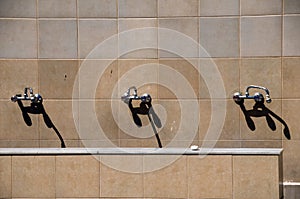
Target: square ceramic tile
[[98, 38], [185, 81], [31, 174], [95, 8], [57, 78], [261, 36], [291, 160], [168, 8], [290, 78], [210, 176], [15, 75], [219, 78], [219, 7], [169, 178], [291, 7], [117, 171], [77, 176], [219, 37], [261, 7], [178, 37], [17, 8], [255, 174], [5, 177], [291, 41], [264, 72], [138, 38], [57, 8], [57, 39], [12, 34], [290, 108], [137, 8]]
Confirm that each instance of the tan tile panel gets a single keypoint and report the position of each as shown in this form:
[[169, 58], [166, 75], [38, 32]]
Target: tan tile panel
[[57, 8], [261, 36], [210, 176], [13, 44], [95, 8], [290, 78], [291, 31], [33, 176], [219, 7], [5, 177], [77, 176], [137, 8], [255, 176], [121, 176], [258, 7], [169, 181], [168, 8], [17, 8], [291, 161]]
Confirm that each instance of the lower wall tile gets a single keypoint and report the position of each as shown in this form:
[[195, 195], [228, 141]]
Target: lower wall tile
[[5, 177], [77, 176], [210, 176], [33, 176], [255, 177]]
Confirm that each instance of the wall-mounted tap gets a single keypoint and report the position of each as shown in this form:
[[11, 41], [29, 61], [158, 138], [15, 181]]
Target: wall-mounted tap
[[127, 96], [34, 98], [258, 97]]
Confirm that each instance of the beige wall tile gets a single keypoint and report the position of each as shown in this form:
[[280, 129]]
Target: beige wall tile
[[140, 73], [57, 8], [210, 176], [13, 126], [168, 182], [77, 176], [57, 78], [290, 78], [291, 7], [5, 177], [106, 119], [17, 8], [57, 39], [262, 144], [263, 72], [15, 75], [260, 128], [95, 8], [138, 38], [179, 120], [56, 143], [228, 70], [291, 161], [230, 129], [219, 7], [137, 8], [33, 176], [219, 37], [60, 114], [188, 31], [168, 8], [291, 40], [93, 33], [12, 34], [258, 7], [188, 79], [290, 110], [13, 143], [262, 170], [261, 36], [121, 176]]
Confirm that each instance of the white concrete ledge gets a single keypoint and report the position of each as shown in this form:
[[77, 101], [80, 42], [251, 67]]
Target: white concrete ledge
[[140, 151]]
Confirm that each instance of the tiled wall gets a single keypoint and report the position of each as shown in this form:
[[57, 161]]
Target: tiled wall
[[45, 43], [215, 176]]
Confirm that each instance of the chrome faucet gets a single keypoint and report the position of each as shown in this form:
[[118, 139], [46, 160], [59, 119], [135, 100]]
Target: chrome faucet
[[127, 96], [258, 97], [34, 98]]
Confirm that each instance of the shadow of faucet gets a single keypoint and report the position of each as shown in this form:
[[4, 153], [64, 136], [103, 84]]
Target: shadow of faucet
[[38, 108], [145, 108], [260, 110]]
